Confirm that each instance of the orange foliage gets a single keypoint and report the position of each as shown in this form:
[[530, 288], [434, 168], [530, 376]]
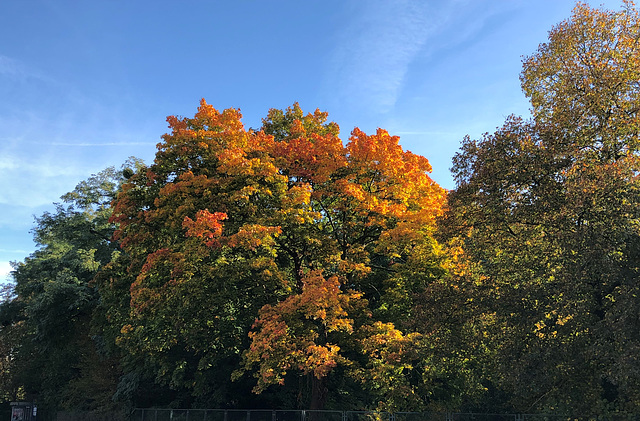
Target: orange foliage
[[296, 207], [293, 333], [207, 225]]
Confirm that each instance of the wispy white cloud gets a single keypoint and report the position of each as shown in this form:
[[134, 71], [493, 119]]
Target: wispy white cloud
[[370, 64], [5, 270], [99, 144], [50, 138], [15, 70], [30, 183], [14, 251], [9, 66], [6, 163]]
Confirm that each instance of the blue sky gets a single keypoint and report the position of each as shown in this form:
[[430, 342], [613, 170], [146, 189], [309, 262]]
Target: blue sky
[[86, 84]]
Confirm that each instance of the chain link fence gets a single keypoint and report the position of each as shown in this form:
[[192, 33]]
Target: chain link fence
[[256, 415], [157, 414], [328, 415]]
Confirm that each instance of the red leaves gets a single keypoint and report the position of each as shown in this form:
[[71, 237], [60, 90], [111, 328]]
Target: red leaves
[[207, 226]]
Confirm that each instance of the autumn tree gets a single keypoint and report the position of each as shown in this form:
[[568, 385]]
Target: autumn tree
[[179, 302], [282, 246], [548, 212], [584, 81], [371, 206]]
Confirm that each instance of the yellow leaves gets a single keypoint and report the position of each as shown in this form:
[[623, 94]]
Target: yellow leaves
[[210, 119], [321, 359], [540, 325], [563, 320], [252, 236], [384, 341], [354, 191], [296, 206], [294, 333], [548, 328], [390, 356], [587, 70], [401, 239], [298, 196], [321, 299], [235, 161]]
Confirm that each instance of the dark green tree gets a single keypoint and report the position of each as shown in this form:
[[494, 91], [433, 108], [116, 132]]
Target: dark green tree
[[58, 359], [548, 212]]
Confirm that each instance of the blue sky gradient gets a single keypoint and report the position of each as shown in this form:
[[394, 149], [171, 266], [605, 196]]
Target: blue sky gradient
[[85, 85]]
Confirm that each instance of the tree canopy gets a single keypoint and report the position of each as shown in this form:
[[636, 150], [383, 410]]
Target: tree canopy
[[284, 229], [46, 317], [548, 211], [284, 267]]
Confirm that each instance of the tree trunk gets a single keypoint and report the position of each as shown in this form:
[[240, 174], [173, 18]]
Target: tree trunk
[[318, 393]]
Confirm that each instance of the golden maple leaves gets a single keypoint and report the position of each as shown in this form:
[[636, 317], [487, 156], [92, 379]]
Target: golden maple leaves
[[301, 208], [584, 78], [293, 333]]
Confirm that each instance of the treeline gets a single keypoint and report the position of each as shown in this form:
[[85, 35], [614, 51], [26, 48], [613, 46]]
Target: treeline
[[284, 268]]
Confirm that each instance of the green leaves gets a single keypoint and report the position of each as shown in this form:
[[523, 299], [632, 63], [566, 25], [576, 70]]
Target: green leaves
[[547, 211], [285, 227], [48, 319]]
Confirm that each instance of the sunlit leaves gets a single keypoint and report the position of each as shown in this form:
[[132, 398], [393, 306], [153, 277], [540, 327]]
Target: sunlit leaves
[[547, 214], [296, 333], [290, 225], [585, 79]]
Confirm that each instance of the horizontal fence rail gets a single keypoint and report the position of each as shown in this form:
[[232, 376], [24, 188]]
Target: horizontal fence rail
[[255, 415], [156, 414]]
